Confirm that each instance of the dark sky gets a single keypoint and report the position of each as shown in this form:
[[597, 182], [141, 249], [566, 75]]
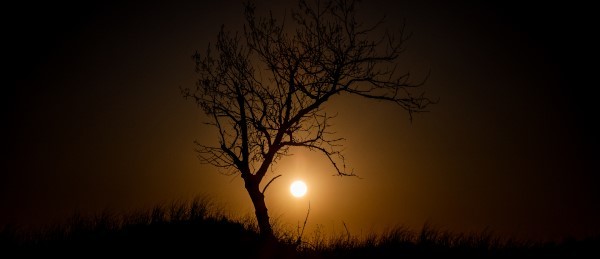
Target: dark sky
[[93, 119]]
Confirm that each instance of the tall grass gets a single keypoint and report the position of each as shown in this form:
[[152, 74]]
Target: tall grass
[[201, 228]]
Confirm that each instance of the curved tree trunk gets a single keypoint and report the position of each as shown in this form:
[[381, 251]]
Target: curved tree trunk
[[262, 215]]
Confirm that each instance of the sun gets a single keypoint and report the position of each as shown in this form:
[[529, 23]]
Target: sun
[[298, 189]]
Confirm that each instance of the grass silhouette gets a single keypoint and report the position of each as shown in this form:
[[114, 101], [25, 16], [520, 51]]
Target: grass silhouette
[[200, 228]]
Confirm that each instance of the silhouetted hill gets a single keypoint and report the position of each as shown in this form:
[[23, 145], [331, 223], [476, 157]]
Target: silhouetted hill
[[199, 229]]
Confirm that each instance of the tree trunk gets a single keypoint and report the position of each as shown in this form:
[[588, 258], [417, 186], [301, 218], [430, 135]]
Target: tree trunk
[[262, 215]]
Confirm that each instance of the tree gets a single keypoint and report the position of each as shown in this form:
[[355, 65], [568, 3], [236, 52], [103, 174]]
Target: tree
[[263, 89]]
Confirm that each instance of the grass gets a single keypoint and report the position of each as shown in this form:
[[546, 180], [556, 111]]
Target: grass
[[200, 228]]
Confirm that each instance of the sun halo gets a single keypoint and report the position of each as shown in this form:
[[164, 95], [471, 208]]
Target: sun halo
[[298, 189]]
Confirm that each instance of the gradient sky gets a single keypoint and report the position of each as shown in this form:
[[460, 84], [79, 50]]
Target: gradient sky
[[94, 120]]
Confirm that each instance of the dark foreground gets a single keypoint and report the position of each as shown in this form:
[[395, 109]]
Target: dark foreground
[[198, 229]]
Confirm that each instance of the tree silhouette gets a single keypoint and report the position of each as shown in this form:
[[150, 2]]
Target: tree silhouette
[[263, 88]]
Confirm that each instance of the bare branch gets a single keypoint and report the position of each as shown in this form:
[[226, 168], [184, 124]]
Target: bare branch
[[264, 89], [273, 179]]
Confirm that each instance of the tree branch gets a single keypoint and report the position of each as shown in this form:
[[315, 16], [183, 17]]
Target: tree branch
[[273, 179]]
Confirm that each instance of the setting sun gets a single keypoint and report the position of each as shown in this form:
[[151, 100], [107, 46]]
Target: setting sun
[[298, 188]]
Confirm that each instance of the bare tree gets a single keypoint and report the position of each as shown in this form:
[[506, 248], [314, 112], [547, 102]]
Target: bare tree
[[263, 88]]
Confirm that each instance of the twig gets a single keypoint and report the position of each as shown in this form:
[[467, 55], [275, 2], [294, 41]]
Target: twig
[[264, 189], [347, 232], [299, 240]]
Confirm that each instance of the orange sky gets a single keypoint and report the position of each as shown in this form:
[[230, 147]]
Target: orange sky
[[95, 119]]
